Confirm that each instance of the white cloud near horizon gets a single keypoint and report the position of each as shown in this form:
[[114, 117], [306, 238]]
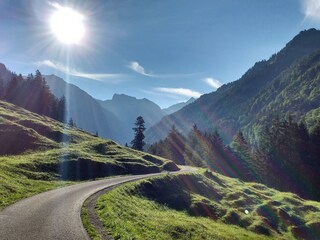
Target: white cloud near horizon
[[311, 9], [74, 72], [138, 68], [213, 82], [180, 91]]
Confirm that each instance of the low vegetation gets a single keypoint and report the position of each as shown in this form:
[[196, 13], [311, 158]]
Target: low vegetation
[[37, 153], [206, 205]]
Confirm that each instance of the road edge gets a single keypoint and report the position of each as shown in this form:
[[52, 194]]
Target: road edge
[[90, 203], [89, 207]]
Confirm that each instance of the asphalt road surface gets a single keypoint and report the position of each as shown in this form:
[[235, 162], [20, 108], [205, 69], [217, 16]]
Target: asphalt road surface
[[54, 214]]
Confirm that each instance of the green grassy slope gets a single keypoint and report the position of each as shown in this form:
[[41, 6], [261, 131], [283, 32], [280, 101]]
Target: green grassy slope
[[37, 152], [206, 205]]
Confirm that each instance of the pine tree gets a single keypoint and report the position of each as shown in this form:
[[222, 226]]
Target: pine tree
[[61, 109], [137, 142], [12, 93], [242, 151], [195, 149], [71, 122], [175, 145]]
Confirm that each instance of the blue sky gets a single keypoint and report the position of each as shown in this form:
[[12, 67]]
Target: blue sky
[[166, 51]]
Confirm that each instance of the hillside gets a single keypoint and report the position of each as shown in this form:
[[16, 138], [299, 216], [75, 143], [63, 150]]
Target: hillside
[[37, 153], [206, 205], [176, 107], [5, 74], [287, 83], [127, 109]]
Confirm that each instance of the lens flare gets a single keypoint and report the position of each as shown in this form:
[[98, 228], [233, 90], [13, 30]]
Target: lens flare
[[67, 25]]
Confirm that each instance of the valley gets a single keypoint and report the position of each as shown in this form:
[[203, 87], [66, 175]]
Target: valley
[[160, 120]]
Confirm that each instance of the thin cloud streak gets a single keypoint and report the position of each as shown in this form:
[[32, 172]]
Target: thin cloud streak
[[311, 9], [136, 67], [180, 91], [74, 72], [213, 82]]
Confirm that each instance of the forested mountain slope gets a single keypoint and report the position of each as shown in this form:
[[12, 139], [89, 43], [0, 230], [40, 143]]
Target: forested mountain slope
[[287, 83]]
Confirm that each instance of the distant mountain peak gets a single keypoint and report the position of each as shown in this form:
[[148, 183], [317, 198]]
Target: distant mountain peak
[[305, 38], [122, 97], [191, 100]]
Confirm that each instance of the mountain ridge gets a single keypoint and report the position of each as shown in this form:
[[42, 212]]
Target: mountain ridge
[[227, 108], [176, 107], [83, 108], [128, 108]]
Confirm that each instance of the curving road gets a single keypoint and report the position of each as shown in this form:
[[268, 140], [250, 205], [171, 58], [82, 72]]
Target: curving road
[[55, 214]]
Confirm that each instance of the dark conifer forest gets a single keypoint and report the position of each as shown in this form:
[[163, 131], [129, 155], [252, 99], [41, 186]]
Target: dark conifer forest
[[33, 94]]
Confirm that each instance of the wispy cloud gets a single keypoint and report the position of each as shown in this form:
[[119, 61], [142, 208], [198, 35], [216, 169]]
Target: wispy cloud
[[311, 9], [213, 82], [180, 91], [74, 72], [135, 66]]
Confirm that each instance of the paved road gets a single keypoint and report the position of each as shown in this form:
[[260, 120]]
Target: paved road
[[54, 214]]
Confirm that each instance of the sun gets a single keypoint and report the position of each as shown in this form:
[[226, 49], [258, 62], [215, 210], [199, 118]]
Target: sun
[[67, 25]]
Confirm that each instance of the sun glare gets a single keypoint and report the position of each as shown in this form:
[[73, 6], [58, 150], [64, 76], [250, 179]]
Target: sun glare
[[67, 25]]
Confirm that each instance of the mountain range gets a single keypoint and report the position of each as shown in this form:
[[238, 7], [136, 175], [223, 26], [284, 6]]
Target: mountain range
[[286, 84], [127, 109], [85, 111], [113, 118]]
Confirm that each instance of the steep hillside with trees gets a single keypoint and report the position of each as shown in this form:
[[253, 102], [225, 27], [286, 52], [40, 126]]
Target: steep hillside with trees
[[32, 93], [288, 83], [286, 157]]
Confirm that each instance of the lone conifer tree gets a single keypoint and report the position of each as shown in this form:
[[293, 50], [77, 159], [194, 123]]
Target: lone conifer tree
[[137, 142], [71, 123]]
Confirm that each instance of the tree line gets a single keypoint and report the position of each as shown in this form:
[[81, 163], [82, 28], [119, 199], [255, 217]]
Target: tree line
[[33, 94], [287, 156]]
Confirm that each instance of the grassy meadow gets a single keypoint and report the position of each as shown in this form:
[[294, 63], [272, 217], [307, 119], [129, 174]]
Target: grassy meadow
[[205, 205], [38, 153]]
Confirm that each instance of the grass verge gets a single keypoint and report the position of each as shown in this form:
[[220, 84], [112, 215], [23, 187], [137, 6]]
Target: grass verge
[[206, 205], [87, 224]]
